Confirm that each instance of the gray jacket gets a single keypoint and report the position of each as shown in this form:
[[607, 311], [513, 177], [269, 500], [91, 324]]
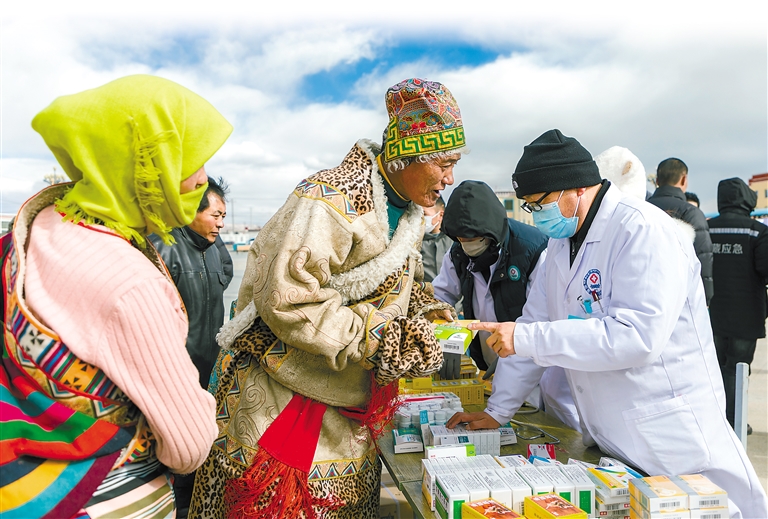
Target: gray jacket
[[198, 269]]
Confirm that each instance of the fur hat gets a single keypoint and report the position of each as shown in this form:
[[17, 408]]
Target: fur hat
[[624, 170]]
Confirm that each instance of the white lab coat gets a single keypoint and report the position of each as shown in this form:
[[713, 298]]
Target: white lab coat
[[522, 374], [642, 366]]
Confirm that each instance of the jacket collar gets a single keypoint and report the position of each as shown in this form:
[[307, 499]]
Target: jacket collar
[[672, 191], [199, 242]]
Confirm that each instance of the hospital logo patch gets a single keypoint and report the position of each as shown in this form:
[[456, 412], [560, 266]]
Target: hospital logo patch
[[593, 282], [514, 273]]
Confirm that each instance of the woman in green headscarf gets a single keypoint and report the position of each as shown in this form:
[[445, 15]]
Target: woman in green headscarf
[[104, 397]]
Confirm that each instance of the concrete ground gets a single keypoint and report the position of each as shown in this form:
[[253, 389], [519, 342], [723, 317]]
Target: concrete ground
[[757, 443]]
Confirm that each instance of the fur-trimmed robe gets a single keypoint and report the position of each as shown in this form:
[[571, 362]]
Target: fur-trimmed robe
[[326, 301]]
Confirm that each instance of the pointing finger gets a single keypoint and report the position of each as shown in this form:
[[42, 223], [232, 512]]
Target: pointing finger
[[488, 327]]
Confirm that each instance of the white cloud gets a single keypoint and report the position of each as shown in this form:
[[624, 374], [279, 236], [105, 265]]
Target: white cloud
[[663, 81]]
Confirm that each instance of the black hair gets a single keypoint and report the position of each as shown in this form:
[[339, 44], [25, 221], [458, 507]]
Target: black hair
[[670, 172], [691, 197], [217, 187]]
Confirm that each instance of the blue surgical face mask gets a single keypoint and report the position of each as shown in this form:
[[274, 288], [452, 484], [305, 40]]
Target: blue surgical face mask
[[551, 221]]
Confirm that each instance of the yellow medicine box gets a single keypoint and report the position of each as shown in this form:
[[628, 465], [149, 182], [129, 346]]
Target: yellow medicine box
[[487, 509], [551, 506]]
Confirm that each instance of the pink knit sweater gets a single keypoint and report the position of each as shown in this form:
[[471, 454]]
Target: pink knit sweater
[[115, 310]]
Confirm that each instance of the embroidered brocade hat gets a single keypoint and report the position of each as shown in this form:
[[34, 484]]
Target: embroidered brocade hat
[[423, 118]]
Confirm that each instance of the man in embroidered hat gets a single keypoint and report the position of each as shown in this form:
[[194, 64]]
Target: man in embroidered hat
[[330, 313], [620, 305], [105, 397]]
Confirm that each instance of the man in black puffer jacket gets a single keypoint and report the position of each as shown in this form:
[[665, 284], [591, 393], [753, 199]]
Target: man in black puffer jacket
[[672, 182], [201, 275], [738, 310]]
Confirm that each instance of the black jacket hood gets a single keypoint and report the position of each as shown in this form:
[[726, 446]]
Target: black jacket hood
[[735, 194], [474, 210]]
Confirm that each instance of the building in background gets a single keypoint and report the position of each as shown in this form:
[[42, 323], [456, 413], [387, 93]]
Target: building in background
[[759, 183], [512, 205]]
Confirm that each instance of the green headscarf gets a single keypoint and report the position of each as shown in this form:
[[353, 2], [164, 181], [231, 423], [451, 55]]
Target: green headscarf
[[128, 145]]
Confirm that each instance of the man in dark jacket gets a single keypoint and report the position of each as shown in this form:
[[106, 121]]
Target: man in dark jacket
[[200, 274], [672, 182], [738, 309], [435, 243], [491, 260]]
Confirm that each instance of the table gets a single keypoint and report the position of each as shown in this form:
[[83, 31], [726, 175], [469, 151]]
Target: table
[[405, 469]]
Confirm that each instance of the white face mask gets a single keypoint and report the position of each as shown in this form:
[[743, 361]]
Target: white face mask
[[430, 223], [475, 248]]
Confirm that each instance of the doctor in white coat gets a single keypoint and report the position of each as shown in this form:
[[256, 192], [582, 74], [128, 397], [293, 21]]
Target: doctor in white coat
[[620, 305]]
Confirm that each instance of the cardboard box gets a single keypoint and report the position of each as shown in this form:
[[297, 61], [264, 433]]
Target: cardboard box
[[449, 496], [496, 486], [583, 487], [702, 493], [515, 460], [520, 489], [535, 479], [487, 509], [711, 513], [615, 480], [641, 513], [407, 440], [658, 493], [551, 506], [562, 485], [450, 451], [454, 336]]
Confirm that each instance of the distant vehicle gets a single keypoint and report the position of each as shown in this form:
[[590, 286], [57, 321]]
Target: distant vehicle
[[242, 247]]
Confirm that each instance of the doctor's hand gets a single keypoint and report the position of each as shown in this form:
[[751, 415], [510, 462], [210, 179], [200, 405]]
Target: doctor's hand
[[502, 339], [481, 420]]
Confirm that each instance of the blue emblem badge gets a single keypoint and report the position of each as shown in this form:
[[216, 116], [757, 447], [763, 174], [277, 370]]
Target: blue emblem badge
[[593, 282], [514, 273]]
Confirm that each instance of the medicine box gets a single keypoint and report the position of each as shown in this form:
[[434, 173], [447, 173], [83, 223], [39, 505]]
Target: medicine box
[[515, 460], [702, 493], [639, 512], [487, 509], [658, 493], [431, 468], [611, 506], [551, 506], [453, 336], [583, 487], [520, 489], [477, 490], [561, 484], [449, 495], [486, 441], [470, 391], [710, 513], [407, 440], [615, 480], [444, 451], [535, 479], [507, 433], [496, 486]]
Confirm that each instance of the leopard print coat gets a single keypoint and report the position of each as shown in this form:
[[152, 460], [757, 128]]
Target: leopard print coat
[[327, 299]]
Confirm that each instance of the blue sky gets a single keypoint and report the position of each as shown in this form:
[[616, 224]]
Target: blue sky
[[301, 85]]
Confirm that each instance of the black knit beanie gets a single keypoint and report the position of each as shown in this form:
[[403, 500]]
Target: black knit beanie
[[554, 162]]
